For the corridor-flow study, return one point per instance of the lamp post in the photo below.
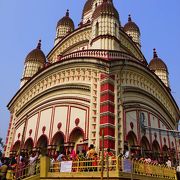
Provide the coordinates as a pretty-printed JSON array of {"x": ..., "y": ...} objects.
[
  {"x": 102, "y": 162},
  {"x": 107, "y": 165}
]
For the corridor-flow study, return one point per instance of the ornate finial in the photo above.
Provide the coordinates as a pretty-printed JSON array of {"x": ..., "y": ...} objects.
[
  {"x": 39, "y": 45},
  {"x": 155, "y": 53},
  {"x": 129, "y": 18},
  {"x": 67, "y": 12}
]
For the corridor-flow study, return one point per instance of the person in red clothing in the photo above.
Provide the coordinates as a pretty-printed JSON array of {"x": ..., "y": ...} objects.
[
  {"x": 21, "y": 169},
  {"x": 108, "y": 155},
  {"x": 95, "y": 162}
]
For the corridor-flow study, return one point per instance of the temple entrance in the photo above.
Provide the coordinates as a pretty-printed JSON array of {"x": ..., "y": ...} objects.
[
  {"x": 16, "y": 147},
  {"x": 145, "y": 143},
  {"x": 76, "y": 138},
  {"x": 29, "y": 144},
  {"x": 156, "y": 149},
  {"x": 131, "y": 139},
  {"x": 145, "y": 146},
  {"x": 165, "y": 153},
  {"x": 155, "y": 146},
  {"x": 42, "y": 142},
  {"x": 58, "y": 141}
]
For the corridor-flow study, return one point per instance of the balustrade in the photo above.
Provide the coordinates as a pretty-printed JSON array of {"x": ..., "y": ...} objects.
[
  {"x": 111, "y": 164},
  {"x": 103, "y": 54}
]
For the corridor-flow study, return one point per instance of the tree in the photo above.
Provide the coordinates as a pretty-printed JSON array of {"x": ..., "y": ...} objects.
[{"x": 1, "y": 146}]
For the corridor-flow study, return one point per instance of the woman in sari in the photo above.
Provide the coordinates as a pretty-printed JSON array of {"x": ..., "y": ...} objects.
[{"x": 32, "y": 164}]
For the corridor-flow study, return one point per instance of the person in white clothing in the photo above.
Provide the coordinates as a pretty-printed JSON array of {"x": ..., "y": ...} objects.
[
  {"x": 32, "y": 164},
  {"x": 168, "y": 163}
]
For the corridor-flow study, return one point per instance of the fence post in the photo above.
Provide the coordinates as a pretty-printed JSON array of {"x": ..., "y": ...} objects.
[
  {"x": 9, "y": 175},
  {"x": 44, "y": 166},
  {"x": 117, "y": 165}
]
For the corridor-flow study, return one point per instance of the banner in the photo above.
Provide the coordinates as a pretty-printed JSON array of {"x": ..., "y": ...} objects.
[
  {"x": 127, "y": 165},
  {"x": 66, "y": 166}
]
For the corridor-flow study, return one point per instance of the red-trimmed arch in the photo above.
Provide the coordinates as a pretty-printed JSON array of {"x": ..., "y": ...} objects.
[
  {"x": 78, "y": 131},
  {"x": 58, "y": 138},
  {"x": 131, "y": 138},
  {"x": 29, "y": 144},
  {"x": 155, "y": 146},
  {"x": 42, "y": 141},
  {"x": 145, "y": 143},
  {"x": 16, "y": 146},
  {"x": 165, "y": 150}
]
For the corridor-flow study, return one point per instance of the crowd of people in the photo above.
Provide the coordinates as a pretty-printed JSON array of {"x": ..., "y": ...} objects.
[
  {"x": 167, "y": 161},
  {"x": 21, "y": 165},
  {"x": 150, "y": 158},
  {"x": 89, "y": 159},
  {"x": 26, "y": 164}
]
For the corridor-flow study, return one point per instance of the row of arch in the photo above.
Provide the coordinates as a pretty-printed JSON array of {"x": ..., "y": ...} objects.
[
  {"x": 144, "y": 143},
  {"x": 43, "y": 142}
]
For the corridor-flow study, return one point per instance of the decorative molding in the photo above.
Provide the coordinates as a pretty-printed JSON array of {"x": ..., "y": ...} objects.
[{"x": 62, "y": 78}]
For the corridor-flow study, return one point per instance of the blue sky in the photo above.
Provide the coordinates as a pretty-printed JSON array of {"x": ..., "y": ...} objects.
[{"x": 24, "y": 22}]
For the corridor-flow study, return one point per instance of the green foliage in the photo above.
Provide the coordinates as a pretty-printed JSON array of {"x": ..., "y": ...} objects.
[
  {"x": 1, "y": 146},
  {"x": 1, "y": 143}
]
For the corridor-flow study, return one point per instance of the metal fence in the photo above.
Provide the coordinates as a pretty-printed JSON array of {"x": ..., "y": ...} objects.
[
  {"x": 116, "y": 164},
  {"x": 21, "y": 172},
  {"x": 154, "y": 170},
  {"x": 111, "y": 164},
  {"x": 88, "y": 165}
]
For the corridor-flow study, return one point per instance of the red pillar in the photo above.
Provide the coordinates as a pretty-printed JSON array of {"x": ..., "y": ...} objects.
[{"x": 107, "y": 117}]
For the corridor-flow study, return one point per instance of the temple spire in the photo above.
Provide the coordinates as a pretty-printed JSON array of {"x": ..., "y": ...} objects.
[
  {"x": 39, "y": 45},
  {"x": 67, "y": 13},
  {"x": 129, "y": 18},
  {"x": 155, "y": 53}
]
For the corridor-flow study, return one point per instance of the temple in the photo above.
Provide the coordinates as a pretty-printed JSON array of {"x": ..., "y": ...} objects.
[{"x": 94, "y": 79}]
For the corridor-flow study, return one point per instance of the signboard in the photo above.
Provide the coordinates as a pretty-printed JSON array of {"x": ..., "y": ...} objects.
[
  {"x": 66, "y": 166},
  {"x": 127, "y": 164}
]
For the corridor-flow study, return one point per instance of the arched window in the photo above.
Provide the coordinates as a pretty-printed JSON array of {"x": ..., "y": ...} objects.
[{"x": 97, "y": 29}]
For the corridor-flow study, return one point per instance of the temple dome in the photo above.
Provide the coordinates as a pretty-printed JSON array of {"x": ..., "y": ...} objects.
[
  {"x": 106, "y": 9},
  {"x": 131, "y": 26},
  {"x": 87, "y": 7},
  {"x": 157, "y": 64},
  {"x": 66, "y": 21},
  {"x": 36, "y": 54}
]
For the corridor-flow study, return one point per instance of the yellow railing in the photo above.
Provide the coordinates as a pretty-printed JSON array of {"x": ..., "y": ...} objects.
[
  {"x": 114, "y": 164},
  {"x": 24, "y": 172},
  {"x": 154, "y": 170},
  {"x": 86, "y": 165}
]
